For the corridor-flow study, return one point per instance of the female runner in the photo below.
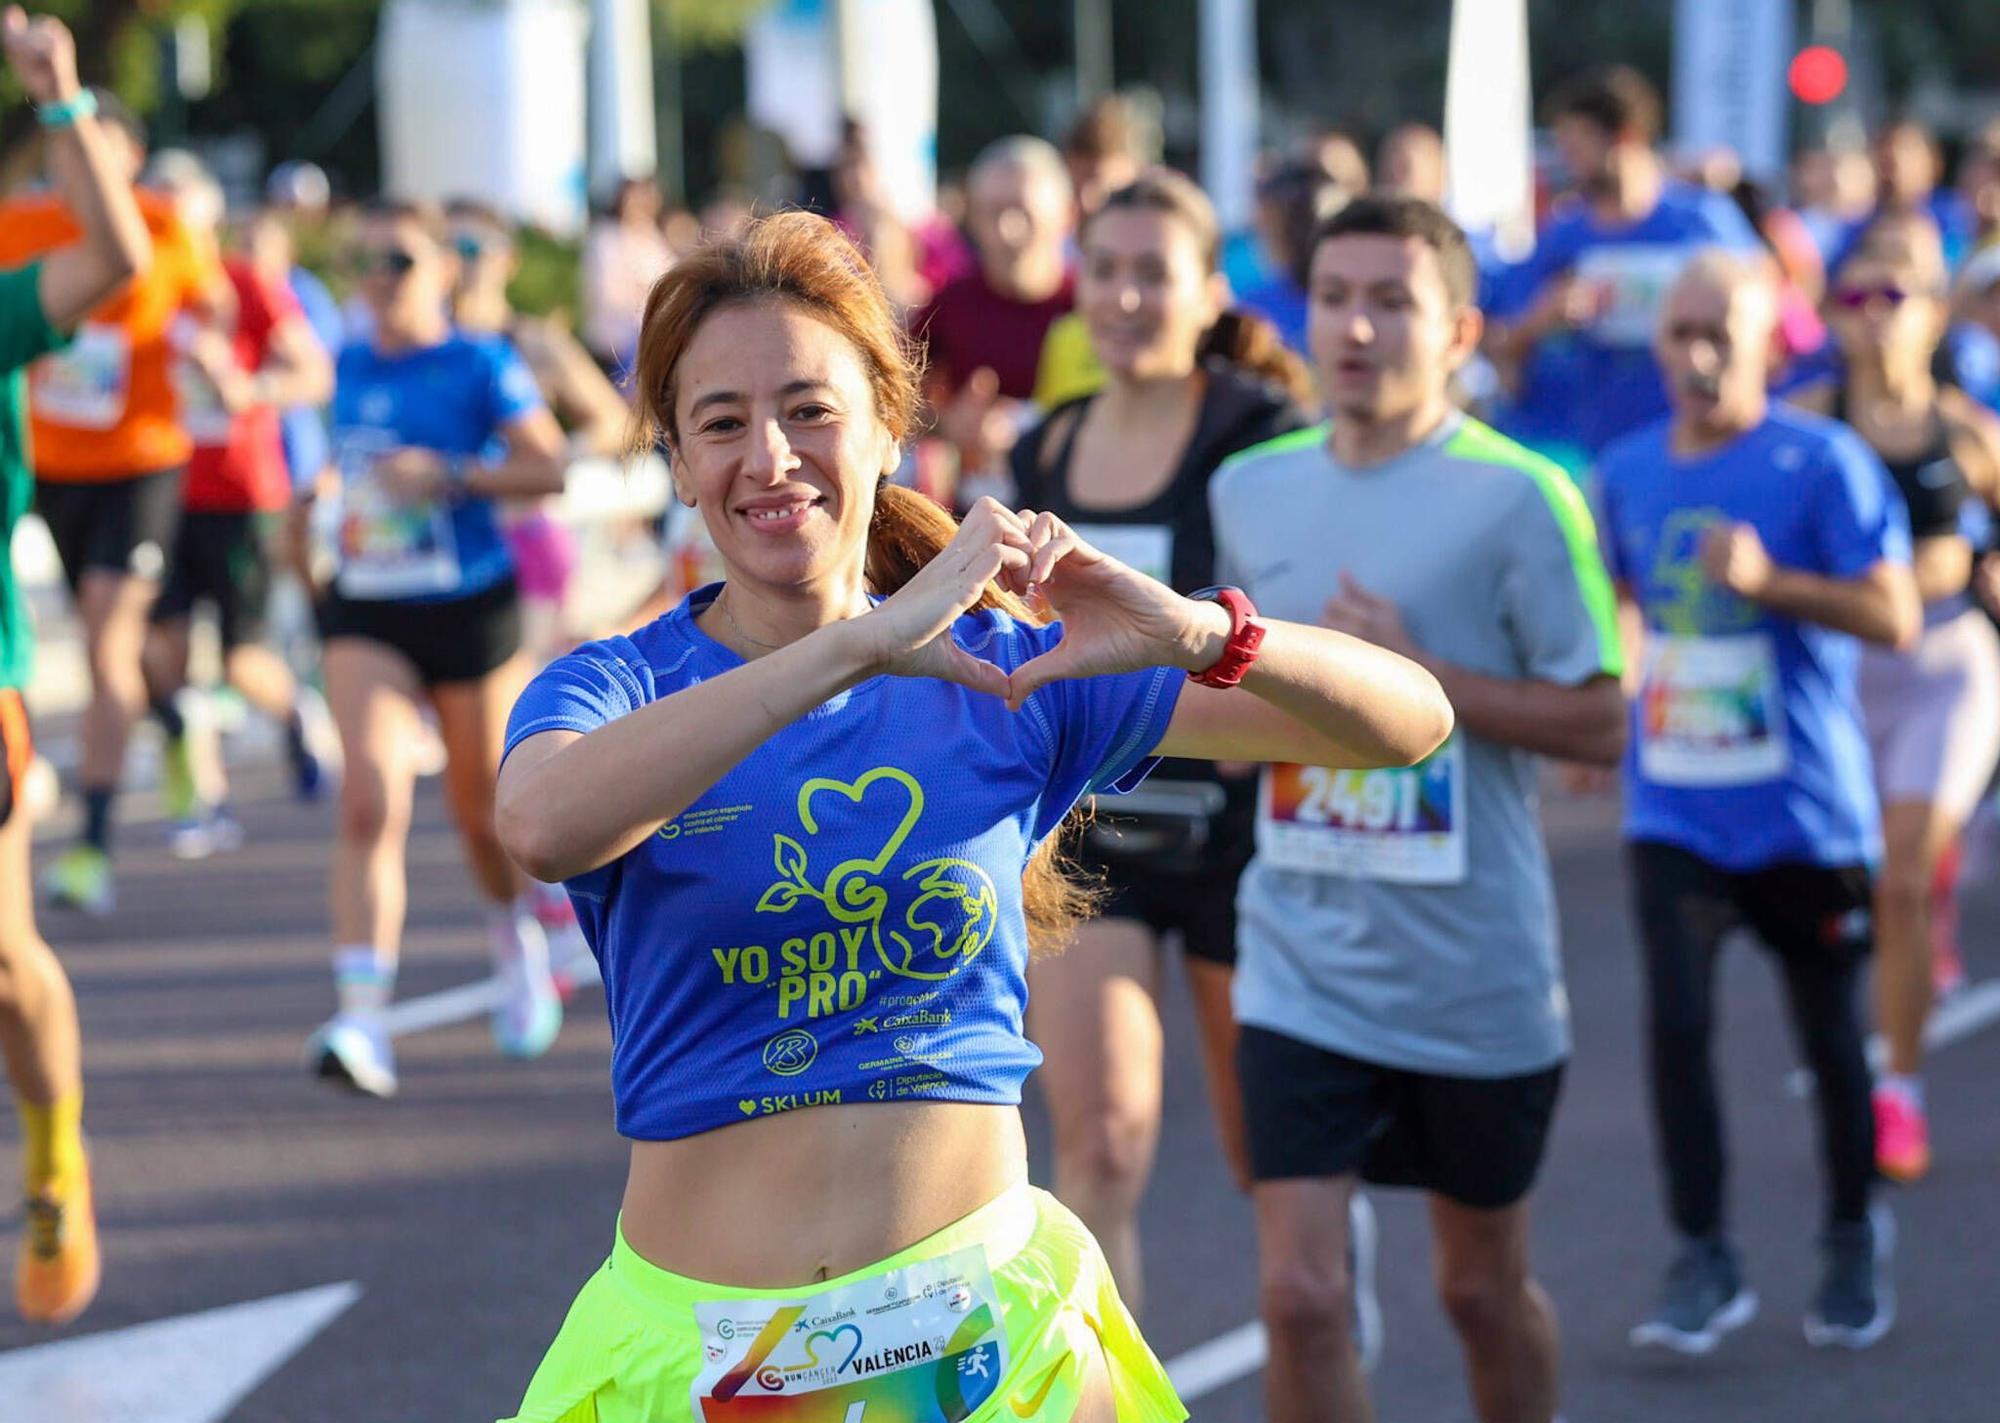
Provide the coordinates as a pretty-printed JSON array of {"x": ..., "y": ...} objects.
[
  {"x": 1187, "y": 384},
  {"x": 432, "y": 428},
  {"x": 1933, "y": 712},
  {"x": 807, "y": 820}
]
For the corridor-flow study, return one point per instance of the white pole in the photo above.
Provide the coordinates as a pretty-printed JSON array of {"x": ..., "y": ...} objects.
[
  {"x": 1229, "y": 108},
  {"x": 622, "y": 140},
  {"x": 1488, "y": 141}
]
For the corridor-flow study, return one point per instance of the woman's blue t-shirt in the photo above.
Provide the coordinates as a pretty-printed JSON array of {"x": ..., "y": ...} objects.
[
  {"x": 839, "y": 918},
  {"x": 454, "y": 398}
]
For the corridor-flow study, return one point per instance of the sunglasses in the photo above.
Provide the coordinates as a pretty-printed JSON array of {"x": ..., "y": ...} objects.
[
  {"x": 1860, "y": 298},
  {"x": 391, "y": 261}
]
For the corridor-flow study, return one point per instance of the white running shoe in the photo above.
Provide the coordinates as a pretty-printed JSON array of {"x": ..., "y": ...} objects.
[
  {"x": 354, "y": 1050},
  {"x": 530, "y": 1011},
  {"x": 1361, "y": 1251}
]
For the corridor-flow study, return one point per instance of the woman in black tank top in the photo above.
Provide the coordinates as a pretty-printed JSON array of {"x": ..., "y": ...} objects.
[
  {"x": 1932, "y": 712},
  {"x": 1187, "y": 385}
]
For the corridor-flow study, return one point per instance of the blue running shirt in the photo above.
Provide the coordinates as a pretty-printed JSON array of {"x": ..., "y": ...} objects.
[
  {"x": 1612, "y": 382},
  {"x": 454, "y": 398},
  {"x": 839, "y": 918},
  {"x": 1746, "y": 745}
]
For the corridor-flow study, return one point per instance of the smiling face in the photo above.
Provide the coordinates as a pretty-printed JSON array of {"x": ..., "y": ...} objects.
[
  {"x": 778, "y": 444},
  {"x": 1145, "y": 292}
]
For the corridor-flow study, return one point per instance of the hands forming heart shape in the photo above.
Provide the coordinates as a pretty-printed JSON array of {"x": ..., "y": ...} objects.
[{"x": 1114, "y": 618}]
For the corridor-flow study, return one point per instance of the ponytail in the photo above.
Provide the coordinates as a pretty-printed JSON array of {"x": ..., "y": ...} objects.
[
  {"x": 907, "y": 532},
  {"x": 1252, "y": 345}
]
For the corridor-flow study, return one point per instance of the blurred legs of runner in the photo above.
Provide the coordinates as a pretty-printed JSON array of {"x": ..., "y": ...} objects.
[
  {"x": 1505, "y": 1323},
  {"x": 56, "y": 1275},
  {"x": 1915, "y": 837},
  {"x": 1094, "y": 1012},
  {"x": 112, "y": 607},
  {"x": 376, "y": 699},
  {"x": 1306, "y": 1298}
]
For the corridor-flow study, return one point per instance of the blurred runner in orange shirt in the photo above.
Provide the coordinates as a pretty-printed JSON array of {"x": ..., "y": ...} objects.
[{"x": 109, "y": 456}]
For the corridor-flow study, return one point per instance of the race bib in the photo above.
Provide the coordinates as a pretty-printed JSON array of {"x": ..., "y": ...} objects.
[
  {"x": 1711, "y": 711},
  {"x": 388, "y": 550},
  {"x": 920, "y": 1344},
  {"x": 1400, "y": 825},
  {"x": 84, "y": 385},
  {"x": 1149, "y": 548},
  {"x": 1635, "y": 278}
]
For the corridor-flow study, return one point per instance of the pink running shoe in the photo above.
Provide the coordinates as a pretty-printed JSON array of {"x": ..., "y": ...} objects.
[{"x": 1902, "y": 1136}]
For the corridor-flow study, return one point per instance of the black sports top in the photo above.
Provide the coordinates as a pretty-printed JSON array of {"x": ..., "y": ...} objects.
[{"x": 1933, "y": 487}]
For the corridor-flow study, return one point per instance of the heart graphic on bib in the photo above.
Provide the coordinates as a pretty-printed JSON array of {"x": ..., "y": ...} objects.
[
  {"x": 849, "y": 1332},
  {"x": 748, "y": 1104}
]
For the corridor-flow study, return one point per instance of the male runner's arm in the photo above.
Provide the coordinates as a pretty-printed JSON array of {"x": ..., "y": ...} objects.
[
  {"x": 115, "y": 246},
  {"x": 1878, "y": 605},
  {"x": 1585, "y": 722}
]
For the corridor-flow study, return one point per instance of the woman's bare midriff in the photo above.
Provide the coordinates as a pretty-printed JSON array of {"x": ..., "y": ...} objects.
[{"x": 820, "y": 1192}]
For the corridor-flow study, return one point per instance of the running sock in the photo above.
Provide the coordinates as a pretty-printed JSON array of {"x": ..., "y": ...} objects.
[
  {"x": 364, "y": 978},
  {"x": 97, "y": 817},
  {"x": 169, "y": 717},
  {"x": 51, "y": 1142},
  {"x": 1910, "y": 1089}
]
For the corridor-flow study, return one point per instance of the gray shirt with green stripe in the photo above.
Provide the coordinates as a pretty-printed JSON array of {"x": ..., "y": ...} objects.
[{"x": 1407, "y": 917}]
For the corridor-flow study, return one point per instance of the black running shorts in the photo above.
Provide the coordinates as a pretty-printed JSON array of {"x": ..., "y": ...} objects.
[
  {"x": 222, "y": 559},
  {"x": 116, "y": 526},
  {"x": 1314, "y": 1113},
  {"x": 457, "y": 641}
]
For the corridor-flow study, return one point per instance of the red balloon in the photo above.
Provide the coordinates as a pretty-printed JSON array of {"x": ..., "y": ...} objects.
[{"x": 1818, "y": 74}]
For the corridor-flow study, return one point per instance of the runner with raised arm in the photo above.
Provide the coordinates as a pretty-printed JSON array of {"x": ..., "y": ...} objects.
[
  {"x": 807, "y": 818},
  {"x": 56, "y": 1274}
]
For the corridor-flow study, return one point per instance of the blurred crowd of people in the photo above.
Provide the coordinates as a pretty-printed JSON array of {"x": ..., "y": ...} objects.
[{"x": 392, "y": 433}]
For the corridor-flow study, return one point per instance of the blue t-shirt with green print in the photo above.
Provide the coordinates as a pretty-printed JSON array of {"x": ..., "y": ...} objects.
[{"x": 839, "y": 918}]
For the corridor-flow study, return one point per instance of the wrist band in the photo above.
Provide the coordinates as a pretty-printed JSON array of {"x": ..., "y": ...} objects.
[{"x": 80, "y": 105}]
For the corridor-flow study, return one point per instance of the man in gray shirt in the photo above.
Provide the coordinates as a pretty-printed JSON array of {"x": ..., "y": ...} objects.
[{"x": 1399, "y": 984}]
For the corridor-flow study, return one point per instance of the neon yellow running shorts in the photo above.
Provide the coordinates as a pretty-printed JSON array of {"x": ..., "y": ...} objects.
[{"x": 991, "y": 1320}]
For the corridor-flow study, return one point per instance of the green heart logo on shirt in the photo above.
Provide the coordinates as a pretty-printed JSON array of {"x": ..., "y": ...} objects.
[{"x": 748, "y": 1104}]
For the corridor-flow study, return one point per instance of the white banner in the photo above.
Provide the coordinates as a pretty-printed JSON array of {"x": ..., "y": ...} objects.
[
  {"x": 1488, "y": 119},
  {"x": 485, "y": 101},
  {"x": 622, "y": 140},
  {"x": 797, "y": 70},
  {"x": 1730, "y": 58}
]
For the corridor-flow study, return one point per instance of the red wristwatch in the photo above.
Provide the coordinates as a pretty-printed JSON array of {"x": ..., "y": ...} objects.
[{"x": 1246, "y": 635}]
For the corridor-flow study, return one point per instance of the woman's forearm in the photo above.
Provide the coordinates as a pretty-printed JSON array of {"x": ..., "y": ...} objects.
[
  {"x": 1316, "y": 697},
  {"x": 594, "y": 798},
  {"x": 1355, "y": 697}
]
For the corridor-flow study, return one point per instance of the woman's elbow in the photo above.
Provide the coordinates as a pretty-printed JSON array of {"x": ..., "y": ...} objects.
[
  {"x": 529, "y": 838},
  {"x": 1429, "y": 724}
]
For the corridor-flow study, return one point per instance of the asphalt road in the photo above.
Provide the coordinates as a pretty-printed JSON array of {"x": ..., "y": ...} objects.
[{"x": 469, "y": 1211}]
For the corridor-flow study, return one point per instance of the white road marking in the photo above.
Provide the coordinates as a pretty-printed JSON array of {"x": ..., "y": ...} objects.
[
  {"x": 1218, "y": 1363},
  {"x": 468, "y": 1001},
  {"x": 192, "y": 1369}
]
